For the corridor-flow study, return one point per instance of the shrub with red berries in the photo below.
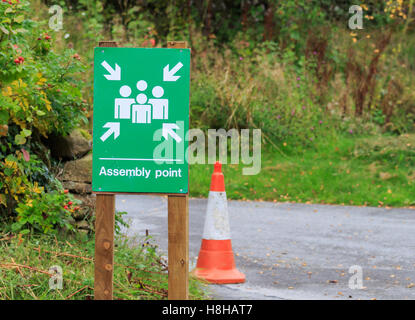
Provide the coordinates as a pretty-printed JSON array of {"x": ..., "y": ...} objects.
[
  {"x": 40, "y": 95},
  {"x": 19, "y": 60}
]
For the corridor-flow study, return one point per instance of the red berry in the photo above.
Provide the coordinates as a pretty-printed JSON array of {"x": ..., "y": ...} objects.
[
  {"x": 39, "y": 38},
  {"x": 76, "y": 208},
  {"x": 21, "y": 59},
  {"x": 16, "y": 61},
  {"x": 65, "y": 191},
  {"x": 69, "y": 203},
  {"x": 65, "y": 207}
]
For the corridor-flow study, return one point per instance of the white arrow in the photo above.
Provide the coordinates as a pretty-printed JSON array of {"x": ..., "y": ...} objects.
[
  {"x": 114, "y": 127},
  {"x": 168, "y": 130},
  {"x": 114, "y": 74},
  {"x": 169, "y": 75}
]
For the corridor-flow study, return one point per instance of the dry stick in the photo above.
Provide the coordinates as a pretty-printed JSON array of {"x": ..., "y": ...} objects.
[
  {"x": 16, "y": 265},
  {"x": 27, "y": 285},
  {"x": 146, "y": 288},
  {"x": 90, "y": 259},
  {"x": 64, "y": 254},
  {"x": 128, "y": 267},
  {"x": 141, "y": 279},
  {"x": 18, "y": 269},
  {"x": 71, "y": 295}
]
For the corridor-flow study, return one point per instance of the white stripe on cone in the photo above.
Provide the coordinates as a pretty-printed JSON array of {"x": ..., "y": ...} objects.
[{"x": 217, "y": 220}]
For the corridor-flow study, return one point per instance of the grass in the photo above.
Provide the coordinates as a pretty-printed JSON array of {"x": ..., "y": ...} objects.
[
  {"x": 347, "y": 170},
  {"x": 139, "y": 272}
]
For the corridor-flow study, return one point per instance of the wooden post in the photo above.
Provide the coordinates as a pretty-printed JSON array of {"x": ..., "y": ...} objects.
[
  {"x": 178, "y": 226},
  {"x": 104, "y": 237},
  {"x": 178, "y": 248}
]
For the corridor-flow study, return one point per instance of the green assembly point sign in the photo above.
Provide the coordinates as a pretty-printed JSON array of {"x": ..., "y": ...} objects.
[{"x": 141, "y": 115}]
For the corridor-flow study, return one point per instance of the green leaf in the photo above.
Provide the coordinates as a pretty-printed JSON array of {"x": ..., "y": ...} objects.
[
  {"x": 8, "y": 10},
  {"x": 4, "y": 116},
  {"x": 25, "y": 231},
  {"x": 26, "y": 133},
  {"x": 16, "y": 226},
  {"x": 8, "y": 172},
  {"x": 21, "y": 30},
  {"x": 40, "y": 113},
  {"x": 19, "y": 139},
  {"x": 4, "y": 30},
  {"x": 19, "y": 19}
]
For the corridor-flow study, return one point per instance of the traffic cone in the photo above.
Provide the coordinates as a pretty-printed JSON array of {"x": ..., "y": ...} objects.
[{"x": 216, "y": 263}]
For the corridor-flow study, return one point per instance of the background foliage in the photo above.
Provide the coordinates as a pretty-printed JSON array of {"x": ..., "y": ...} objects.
[
  {"x": 291, "y": 68},
  {"x": 40, "y": 95}
]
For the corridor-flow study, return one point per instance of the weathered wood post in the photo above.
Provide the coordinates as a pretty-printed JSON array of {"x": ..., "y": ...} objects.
[
  {"x": 104, "y": 237},
  {"x": 178, "y": 234}
]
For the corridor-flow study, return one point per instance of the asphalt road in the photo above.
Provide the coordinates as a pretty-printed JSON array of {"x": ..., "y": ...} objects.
[{"x": 298, "y": 251}]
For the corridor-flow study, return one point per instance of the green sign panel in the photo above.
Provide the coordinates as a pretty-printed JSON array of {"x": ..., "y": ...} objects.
[{"x": 141, "y": 115}]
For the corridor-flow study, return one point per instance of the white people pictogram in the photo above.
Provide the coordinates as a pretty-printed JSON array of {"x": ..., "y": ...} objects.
[
  {"x": 141, "y": 111},
  {"x": 123, "y": 105},
  {"x": 160, "y": 106}
]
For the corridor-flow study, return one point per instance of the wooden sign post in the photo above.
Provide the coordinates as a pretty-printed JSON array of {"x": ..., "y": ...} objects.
[
  {"x": 104, "y": 237},
  {"x": 178, "y": 226},
  {"x": 178, "y": 202}
]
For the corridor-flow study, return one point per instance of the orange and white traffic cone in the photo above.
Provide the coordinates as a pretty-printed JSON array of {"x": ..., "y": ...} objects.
[{"x": 216, "y": 263}]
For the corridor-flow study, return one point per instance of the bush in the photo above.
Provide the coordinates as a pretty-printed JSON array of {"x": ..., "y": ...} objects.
[{"x": 40, "y": 94}]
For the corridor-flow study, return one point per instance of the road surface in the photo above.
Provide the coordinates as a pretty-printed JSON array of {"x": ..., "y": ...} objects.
[{"x": 298, "y": 251}]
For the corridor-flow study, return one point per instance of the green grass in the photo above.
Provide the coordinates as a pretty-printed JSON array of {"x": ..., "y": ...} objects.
[
  {"x": 373, "y": 171},
  {"x": 139, "y": 272}
]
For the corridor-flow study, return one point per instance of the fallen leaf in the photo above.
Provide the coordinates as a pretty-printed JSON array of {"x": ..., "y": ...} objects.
[{"x": 385, "y": 175}]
